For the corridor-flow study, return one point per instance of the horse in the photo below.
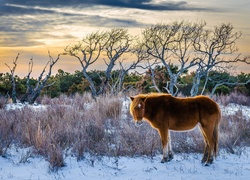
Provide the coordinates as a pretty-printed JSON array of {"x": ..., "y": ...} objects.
[{"x": 167, "y": 113}]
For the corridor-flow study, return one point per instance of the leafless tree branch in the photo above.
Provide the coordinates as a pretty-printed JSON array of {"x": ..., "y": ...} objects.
[{"x": 13, "y": 81}]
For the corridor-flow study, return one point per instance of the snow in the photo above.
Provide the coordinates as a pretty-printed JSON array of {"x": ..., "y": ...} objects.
[
  {"x": 12, "y": 106},
  {"x": 183, "y": 166},
  {"x": 20, "y": 164},
  {"x": 232, "y": 109}
]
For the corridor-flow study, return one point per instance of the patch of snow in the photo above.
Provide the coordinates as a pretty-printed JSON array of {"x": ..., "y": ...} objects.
[
  {"x": 125, "y": 108},
  {"x": 12, "y": 106},
  {"x": 183, "y": 166},
  {"x": 232, "y": 109}
]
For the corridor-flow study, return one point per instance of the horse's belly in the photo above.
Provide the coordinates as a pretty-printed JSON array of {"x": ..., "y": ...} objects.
[
  {"x": 182, "y": 128},
  {"x": 182, "y": 125}
]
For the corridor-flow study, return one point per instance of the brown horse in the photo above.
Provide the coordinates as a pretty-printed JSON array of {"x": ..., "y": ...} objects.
[{"x": 165, "y": 112}]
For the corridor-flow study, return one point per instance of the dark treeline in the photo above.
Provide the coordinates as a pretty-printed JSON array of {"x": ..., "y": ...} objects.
[{"x": 71, "y": 83}]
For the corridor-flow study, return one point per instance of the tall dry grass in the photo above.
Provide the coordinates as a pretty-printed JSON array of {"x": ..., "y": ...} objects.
[
  {"x": 235, "y": 132},
  {"x": 234, "y": 97},
  {"x": 101, "y": 127},
  {"x": 3, "y": 101},
  {"x": 78, "y": 123}
]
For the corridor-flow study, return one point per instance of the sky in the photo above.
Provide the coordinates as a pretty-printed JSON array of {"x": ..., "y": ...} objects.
[{"x": 34, "y": 27}]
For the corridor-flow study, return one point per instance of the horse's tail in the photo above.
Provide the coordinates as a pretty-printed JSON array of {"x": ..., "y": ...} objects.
[{"x": 216, "y": 133}]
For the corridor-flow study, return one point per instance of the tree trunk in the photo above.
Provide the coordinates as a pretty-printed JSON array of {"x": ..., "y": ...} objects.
[
  {"x": 196, "y": 83},
  {"x": 13, "y": 93}
]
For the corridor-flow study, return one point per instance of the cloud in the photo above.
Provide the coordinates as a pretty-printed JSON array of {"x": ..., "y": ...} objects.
[
  {"x": 12, "y": 9},
  {"x": 36, "y": 29},
  {"x": 28, "y": 22},
  {"x": 18, "y": 39},
  {"x": 74, "y": 11},
  {"x": 141, "y": 4},
  {"x": 138, "y": 4}
]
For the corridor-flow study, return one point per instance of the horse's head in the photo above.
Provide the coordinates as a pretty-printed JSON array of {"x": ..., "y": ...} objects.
[{"x": 137, "y": 109}]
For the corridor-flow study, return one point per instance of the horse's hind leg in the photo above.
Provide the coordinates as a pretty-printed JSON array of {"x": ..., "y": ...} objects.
[
  {"x": 207, "y": 132},
  {"x": 205, "y": 153}
]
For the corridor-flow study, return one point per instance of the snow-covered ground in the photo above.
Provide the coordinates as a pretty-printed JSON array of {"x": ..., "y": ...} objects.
[
  {"x": 184, "y": 166},
  {"x": 19, "y": 164},
  {"x": 232, "y": 109}
]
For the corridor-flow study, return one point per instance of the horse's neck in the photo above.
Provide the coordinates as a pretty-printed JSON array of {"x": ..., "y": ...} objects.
[
  {"x": 151, "y": 106},
  {"x": 154, "y": 104}
]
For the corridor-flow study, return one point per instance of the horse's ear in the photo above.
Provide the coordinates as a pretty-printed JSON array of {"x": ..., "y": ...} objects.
[{"x": 132, "y": 98}]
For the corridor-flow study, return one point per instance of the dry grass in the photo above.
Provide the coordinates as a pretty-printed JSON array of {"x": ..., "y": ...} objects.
[
  {"x": 234, "y": 97},
  {"x": 99, "y": 128},
  {"x": 3, "y": 101},
  {"x": 235, "y": 132}
]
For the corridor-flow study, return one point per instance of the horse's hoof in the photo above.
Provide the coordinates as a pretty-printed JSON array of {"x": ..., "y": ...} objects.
[
  {"x": 167, "y": 159},
  {"x": 163, "y": 160},
  {"x": 204, "y": 159},
  {"x": 207, "y": 163},
  {"x": 170, "y": 157}
]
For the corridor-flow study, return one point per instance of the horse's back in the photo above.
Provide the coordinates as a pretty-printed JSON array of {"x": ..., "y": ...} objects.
[
  {"x": 181, "y": 113},
  {"x": 209, "y": 111},
  {"x": 207, "y": 105}
]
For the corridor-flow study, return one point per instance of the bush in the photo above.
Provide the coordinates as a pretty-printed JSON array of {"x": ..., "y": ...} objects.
[
  {"x": 222, "y": 90},
  {"x": 233, "y": 97},
  {"x": 234, "y": 132}
]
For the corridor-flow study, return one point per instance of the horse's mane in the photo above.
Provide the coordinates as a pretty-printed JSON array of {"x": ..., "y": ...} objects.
[
  {"x": 142, "y": 97},
  {"x": 153, "y": 95}
]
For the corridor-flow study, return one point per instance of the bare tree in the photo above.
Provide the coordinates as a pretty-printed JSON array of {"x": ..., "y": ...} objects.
[
  {"x": 152, "y": 76},
  {"x": 32, "y": 93},
  {"x": 139, "y": 56},
  {"x": 90, "y": 47},
  {"x": 118, "y": 43},
  {"x": 172, "y": 43},
  {"x": 118, "y": 76},
  {"x": 29, "y": 89},
  {"x": 111, "y": 45},
  {"x": 217, "y": 49},
  {"x": 13, "y": 81},
  {"x": 144, "y": 62}
]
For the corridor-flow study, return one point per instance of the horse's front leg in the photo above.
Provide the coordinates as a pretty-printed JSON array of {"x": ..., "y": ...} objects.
[{"x": 166, "y": 145}]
